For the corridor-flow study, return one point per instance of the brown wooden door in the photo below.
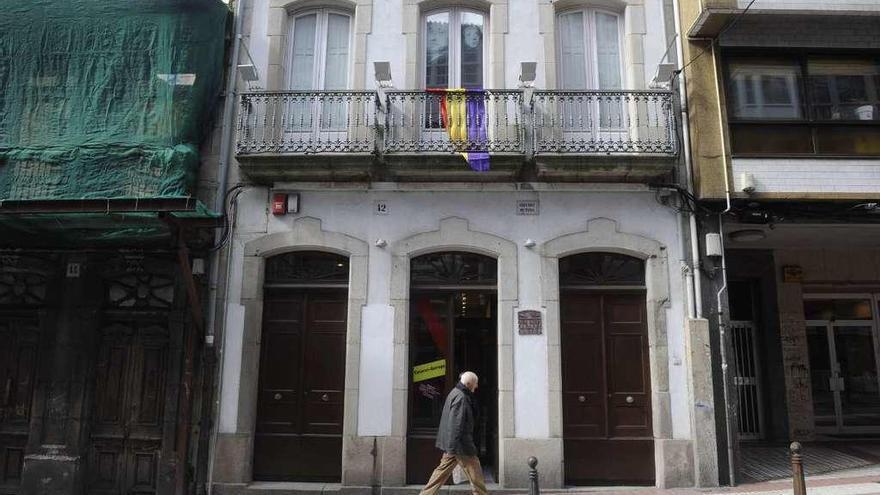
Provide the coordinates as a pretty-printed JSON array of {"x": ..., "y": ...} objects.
[
  {"x": 18, "y": 359},
  {"x": 302, "y": 382},
  {"x": 606, "y": 389},
  {"x": 134, "y": 362}
]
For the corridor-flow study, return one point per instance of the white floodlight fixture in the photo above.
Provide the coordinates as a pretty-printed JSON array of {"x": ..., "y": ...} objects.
[
  {"x": 248, "y": 72},
  {"x": 527, "y": 73},
  {"x": 383, "y": 74}
]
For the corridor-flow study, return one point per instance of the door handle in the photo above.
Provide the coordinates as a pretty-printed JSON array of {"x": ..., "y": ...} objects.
[
  {"x": 581, "y": 398},
  {"x": 325, "y": 397},
  {"x": 629, "y": 399},
  {"x": 7, "y": 392},
  {"x": 277, "y": 396}
]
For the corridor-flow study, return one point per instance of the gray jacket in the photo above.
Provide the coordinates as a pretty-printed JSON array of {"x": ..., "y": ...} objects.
[{"x": 456, "y": 432}]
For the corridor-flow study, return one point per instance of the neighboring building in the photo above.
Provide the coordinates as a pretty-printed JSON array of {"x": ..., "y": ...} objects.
[
  {"x": 103, "y": 106},
  {"x": 784, "y": 106},
  {"x": 369, "y": 265}
]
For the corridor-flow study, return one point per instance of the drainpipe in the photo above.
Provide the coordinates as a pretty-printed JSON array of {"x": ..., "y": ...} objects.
[
  {"x": 227, "y": 130},
  {"x": 693, "y": 272},
  {"x": 722, "y": 326},
  {"x": 695, "y": 250}
]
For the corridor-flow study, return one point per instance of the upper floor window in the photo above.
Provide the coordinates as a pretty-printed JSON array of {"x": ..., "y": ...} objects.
[
  {"x": 804, "y": 104},
  {"x": 319, "y": 53},
  {"x": 589, "y": 42},
  {"x": 455, "y": 48}
]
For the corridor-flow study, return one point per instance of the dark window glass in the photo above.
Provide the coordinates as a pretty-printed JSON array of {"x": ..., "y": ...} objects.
[
  {"x": 844, "y": 88},
  {"x": 848, "y": 140},
  {"x": 771, "y": 139},
  {"x": 307, "y": 267},
  {"x": 601, "y": 269},
  {"x": 453, "y": 269},
  {"x": 765, "y": 89},
  {"x": 837, "y": 309},
  {"x": 742, "y": 304}
]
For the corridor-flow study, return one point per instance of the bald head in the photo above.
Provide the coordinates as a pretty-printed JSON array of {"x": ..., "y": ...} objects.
[{"x": 469, "y": 379}]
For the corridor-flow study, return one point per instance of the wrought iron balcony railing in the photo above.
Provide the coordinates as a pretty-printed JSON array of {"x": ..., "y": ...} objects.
[
  {"x": 448, "y": 122},
  {"x": 604, "y": 122},
  {"x": 434, "y": 122},
  {"x": 307, "y": 122}
]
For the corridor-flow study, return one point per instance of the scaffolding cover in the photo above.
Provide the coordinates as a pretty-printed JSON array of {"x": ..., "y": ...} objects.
[{"x": 102, "y": 100}]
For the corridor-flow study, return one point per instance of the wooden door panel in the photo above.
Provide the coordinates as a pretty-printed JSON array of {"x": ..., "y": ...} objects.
[
  {"x": 18, "y": 361},
  {"x": 606, "y": 389},
  {"x": 302, "y": 385},
  {"x": 129, "y": 405}
]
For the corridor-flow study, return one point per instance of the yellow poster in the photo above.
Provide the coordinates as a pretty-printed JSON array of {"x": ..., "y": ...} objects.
[{"x": 430, "y": 370}]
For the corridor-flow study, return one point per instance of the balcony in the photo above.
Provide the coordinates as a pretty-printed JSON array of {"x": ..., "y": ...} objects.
[{"x": 423, "y": 135}]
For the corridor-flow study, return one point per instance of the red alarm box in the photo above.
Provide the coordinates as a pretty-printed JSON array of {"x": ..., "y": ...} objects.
[{"x": 279, "y": 204}]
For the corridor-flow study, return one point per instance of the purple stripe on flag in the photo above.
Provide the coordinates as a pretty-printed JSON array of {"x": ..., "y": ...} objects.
[{"x": 478, "y": 155}]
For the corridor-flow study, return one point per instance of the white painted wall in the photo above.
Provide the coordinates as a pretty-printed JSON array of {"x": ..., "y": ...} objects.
[
  {"x": 808, "y": 175},
  {"x": 561, "y": 212},
  {"x": 523, "y": 42}
]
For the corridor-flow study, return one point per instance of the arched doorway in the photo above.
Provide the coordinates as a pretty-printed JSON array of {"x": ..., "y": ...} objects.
[
  {"x": 302, "y": 368},
  {"x": 453, "y": 328},
  {"x": 606, "y": 384}
]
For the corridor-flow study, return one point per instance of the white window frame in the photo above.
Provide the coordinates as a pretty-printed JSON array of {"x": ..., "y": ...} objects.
[
  {"x": 590, "y": 46},
  {"x": 454, "y": 76},
  {"x": 318, "y": 75}
]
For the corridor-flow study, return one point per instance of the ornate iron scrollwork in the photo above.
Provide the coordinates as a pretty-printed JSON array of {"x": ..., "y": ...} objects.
[
  {"x": 307, "y": 267},
  {"x": 454, "y": 269},
  {"x": 601, "y": 269}
]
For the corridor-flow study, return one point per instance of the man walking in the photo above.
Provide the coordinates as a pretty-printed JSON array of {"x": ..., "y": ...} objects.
[{"x": 456, "y": 438}]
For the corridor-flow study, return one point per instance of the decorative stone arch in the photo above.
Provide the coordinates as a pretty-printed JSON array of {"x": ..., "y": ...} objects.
[
  {"x": 306, "y": 235},
  {"x": 634, "y": 31},
  {"x": 602, "y": 235},
  {"x": 498, "y": 25},
  {"x": 454, "y": 234},
  {"x": 277, "y": 29}
]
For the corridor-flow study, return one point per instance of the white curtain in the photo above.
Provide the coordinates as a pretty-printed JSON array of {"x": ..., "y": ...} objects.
[
  {"x": 572, "y": 48},
  {"x": 608, "y": 51},
  {"x": 336, "y": 64},
  {"x": 302, "y": 71}
]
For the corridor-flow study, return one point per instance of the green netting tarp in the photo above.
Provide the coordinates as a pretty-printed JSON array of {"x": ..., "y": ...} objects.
[{"x": 106, "y": 99}]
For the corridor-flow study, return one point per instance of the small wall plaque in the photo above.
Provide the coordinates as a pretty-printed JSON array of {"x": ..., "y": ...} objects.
[
  {"x": 381, "y": 208},
  {"x": 529, "y": 322},
  {"x": 527, "y": 207},
  {"x": 792, "y": 274}
]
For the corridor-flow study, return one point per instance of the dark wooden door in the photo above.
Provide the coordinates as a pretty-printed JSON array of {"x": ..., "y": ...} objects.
[
  {"x": 18, "y": 360},
  {"x": 134, "y": 363},
  {"x": 302, "y": 384},
  {"x": 606, "y": 389}
]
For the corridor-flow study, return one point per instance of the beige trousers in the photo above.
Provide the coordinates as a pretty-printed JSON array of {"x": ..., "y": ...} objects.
[{"x": 469, "y": 464}]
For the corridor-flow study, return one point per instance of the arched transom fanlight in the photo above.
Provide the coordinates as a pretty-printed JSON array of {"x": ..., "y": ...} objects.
[
  {"x": 607, "y": 269},
  {"x": 307, "y": 267},
  {"x": 453, "y": 268}
]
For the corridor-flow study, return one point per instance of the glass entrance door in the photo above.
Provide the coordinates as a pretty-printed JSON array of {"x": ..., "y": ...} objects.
[{"x": 843, "y": 364}]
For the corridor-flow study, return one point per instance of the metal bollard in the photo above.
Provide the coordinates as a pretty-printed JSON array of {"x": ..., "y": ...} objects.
[
  {"x": 533, "y": 476},
  {"x": 797, "y": 470}
]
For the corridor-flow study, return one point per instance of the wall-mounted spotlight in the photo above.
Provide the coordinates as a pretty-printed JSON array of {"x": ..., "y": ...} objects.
[
  {"x": 527, "y": 74},
  {"x": 382, "y": 71}
]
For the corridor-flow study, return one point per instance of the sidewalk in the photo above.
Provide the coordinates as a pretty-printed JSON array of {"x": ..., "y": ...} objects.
[{"x": 861, "y": 481}]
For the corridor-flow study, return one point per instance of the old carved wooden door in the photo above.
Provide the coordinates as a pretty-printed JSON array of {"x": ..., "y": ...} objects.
[
  {"x": 18, "y": 359},
  {"x": 133, "y": 363},
  {"x": 302, "y": 381},
  {"x": 136, "y": 379},
  {"x": 606, "y": 389}
]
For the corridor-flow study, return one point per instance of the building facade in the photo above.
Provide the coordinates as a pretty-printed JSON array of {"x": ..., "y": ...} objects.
[
  {"x": 104, "y": 383},
  {"x": 783, "y": 109},
  {"x": 422, "y": 188}
]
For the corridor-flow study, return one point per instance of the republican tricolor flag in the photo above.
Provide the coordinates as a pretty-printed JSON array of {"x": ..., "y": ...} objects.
[{"x": 464, "y": 119}]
